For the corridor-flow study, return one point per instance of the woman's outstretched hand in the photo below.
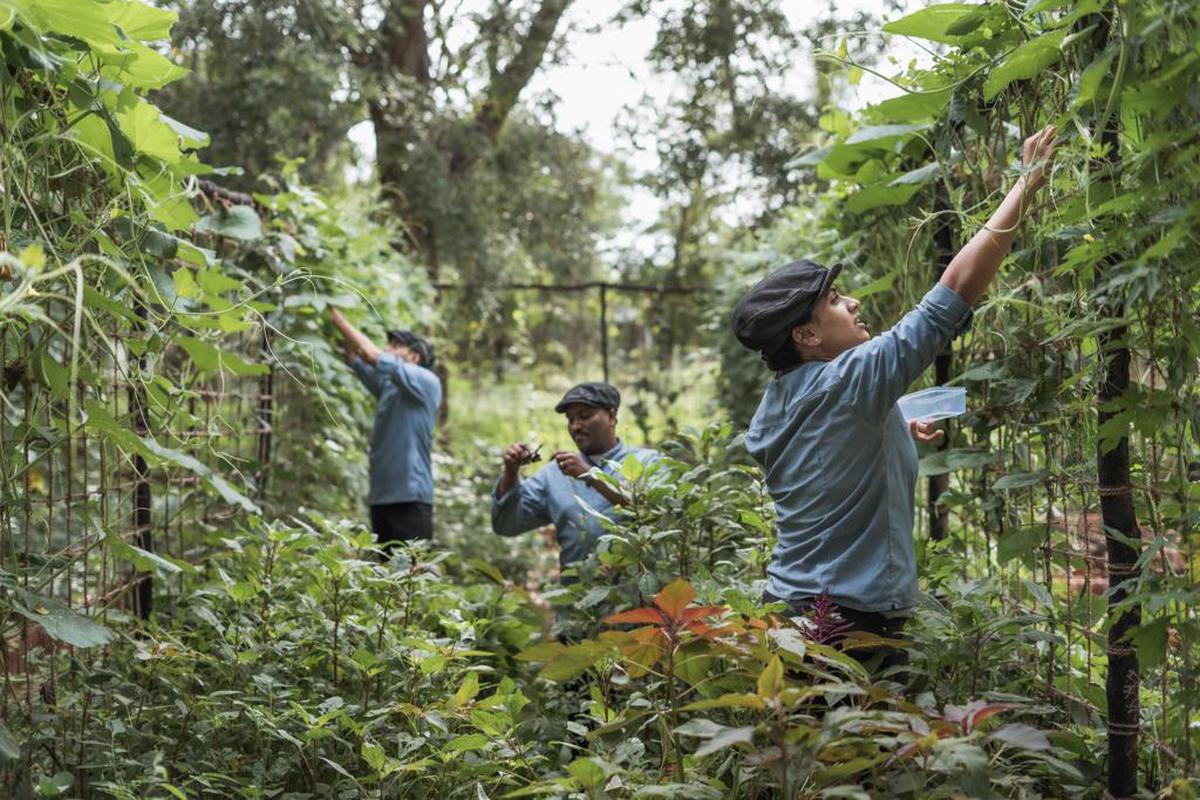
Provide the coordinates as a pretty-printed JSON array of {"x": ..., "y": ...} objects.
[{"x": 1037, "y": 155}]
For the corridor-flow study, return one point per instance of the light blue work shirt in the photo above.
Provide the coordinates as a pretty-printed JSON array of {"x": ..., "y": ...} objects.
[
  {"x": 552, "y": 497},
  {"x": 841, "y": 465},
  {"x": 402, "y": 436}
]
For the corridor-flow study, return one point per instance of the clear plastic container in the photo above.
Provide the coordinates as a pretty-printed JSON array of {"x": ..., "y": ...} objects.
[{"x": 928, "y": 405}]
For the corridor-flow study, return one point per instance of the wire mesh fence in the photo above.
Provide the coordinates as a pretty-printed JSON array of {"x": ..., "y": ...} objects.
[{"x": 112, "y": 482}]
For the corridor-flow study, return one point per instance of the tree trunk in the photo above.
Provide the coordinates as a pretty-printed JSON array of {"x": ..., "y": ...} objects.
[{"x": 401, "y": 58}]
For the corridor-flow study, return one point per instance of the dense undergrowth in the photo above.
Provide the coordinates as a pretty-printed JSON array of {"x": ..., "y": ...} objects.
[{"x": 295, "y": 663}]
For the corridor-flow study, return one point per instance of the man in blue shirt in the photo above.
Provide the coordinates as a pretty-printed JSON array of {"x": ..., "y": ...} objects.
[
  {"x": 559, "y": 493},
  {"x": 836, "y": 453},
  {"x": 401, "y": 376}
]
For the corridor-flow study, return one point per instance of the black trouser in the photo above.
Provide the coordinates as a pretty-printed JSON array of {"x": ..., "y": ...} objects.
[
  {"x": 402, "y": 522},
  {"x": 865, "y": 621}
]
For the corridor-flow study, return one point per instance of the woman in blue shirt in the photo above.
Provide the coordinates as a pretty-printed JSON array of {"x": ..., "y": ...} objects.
[{"x": 837, "y": 455}]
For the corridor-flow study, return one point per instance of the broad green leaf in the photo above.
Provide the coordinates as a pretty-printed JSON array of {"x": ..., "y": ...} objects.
[
  {"x": 144, "y": 560},
  {"x": 1150, "y": 639},
  {"x": 726, "y": 738},
  {"x": 546, "y": 651},
  {"x": 1020, "y": 480},
  {"x": 1020, "y": 542},
  {"x": 944, "y": 461},
  {"x": 573, "y": 661},
  {"x": 588, "y": 772},
  {"x": 466, "y": 743},
  {"x": 881, "y": 194},
  {"x": 883, "y": 135},
  {"x": 209, "y": 359},
  {"x": 1023, "y": 736},
  {"x": 1090, "y": 79},
  {"x": 10, "y": 748},
  {"x": 935, "y": 22},
  {"x": 1026, "y": 61},
  {"x": 912, "y": 106},
  {"x": 59, "y": 620},
  {"x": 920, "y": 175},
  {"x": 239, "y": 222}
]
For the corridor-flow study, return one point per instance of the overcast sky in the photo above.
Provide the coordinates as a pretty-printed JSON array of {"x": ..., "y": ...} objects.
[{"x": 604, "y": 70}]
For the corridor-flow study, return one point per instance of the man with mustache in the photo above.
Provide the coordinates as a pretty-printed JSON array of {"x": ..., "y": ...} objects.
[{"x": 559, "y": 493}]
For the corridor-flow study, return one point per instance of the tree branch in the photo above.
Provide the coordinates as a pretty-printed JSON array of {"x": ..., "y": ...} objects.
[{"x": 507, "y": 85}]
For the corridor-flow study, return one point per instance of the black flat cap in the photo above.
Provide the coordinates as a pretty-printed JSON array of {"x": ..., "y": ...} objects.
[
  {"x": 600, "y": 395},
  {"x": 779, "y": 302}
]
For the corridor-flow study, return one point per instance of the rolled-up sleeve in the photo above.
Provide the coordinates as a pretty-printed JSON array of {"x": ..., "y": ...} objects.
[
  {"x": 415, "y": 381},
  {"x": 522, "y": 508},
  {"x": 878, "y": 372},
  {"x": 367, "y": 374}
]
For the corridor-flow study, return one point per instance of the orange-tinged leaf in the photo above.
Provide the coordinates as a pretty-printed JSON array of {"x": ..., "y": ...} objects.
[
  {"x": 636, "y": 615},
  {"x": 698, "y": 612},
  {"x": 674, "y": 598}
]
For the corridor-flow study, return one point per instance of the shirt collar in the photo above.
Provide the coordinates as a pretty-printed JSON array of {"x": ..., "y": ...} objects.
[{"x": 613, "y": 454}]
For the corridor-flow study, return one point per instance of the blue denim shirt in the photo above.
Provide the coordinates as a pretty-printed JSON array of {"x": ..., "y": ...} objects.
[
  {"x": 552, "y": 497},
  {"x": 841, "y": 465},
  {"x": 402, "y": 436}
]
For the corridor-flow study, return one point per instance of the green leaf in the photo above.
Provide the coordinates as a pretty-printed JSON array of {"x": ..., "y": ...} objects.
[
  {"x": 463, "y": 744},
  {"x": 881, "y": 194},
  {"x": 209, "y": 359},
  {"x": 1150, "y": 639},
  {"x": 588, "y": 772},
  {"x": 919, "y": 176},
  {"x": 1020, "y": 542},
  {"x": 573, "y": 661},
  {"x": 912, "y": 106},
  {"x": 1023, "y": 736},
  {"x": 10, "y": 748},
  {"x": 1026, "y": 61},
  {"x": 943, "y": 461},
  {"x": 1091, "y": 78},
  {"x": 59, "y": 620},
  {"x": 1020, "y": 480},
  {"x": 883, "y": 135},
  {"x": 936, "y": 22},
  {"x": 239, "y": 222},
  {"x": 144, "y": 560}
]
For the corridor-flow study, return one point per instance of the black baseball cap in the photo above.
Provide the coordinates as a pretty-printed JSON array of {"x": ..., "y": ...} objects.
[
  {"x": 779, "y": 302},
  {"x": 600, "y": 395},
  {"x": 415, "y": 343}
]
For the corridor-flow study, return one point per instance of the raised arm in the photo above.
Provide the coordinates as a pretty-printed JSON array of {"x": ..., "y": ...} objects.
[
  {"x": 972, "y": 270},
  {"x": 355, "y": 338}
]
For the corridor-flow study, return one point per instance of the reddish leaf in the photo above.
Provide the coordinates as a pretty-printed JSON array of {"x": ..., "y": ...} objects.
[
  {"x": 697, "y": 612},
  {"x": 636, "y": 615},
  {"x": 674, "y": 598}
]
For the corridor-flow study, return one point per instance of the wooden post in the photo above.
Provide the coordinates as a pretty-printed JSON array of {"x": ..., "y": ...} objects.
[
  {"x": 604, "y": 328},
  {"x": 943, "y": 243},
  {"x": 142, "y": 500},
  {"x": 266, "y": 416},
  {"x": 1116, "y": 504}
]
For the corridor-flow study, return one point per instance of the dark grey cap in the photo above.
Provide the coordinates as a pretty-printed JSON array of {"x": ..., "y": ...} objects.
[
  {"x": 600, "y": 395},
  {"x": 779, "y": 302}
]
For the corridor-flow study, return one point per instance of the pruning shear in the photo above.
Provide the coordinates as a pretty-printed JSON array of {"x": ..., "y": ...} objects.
[{"x": 536, "y": 455}]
